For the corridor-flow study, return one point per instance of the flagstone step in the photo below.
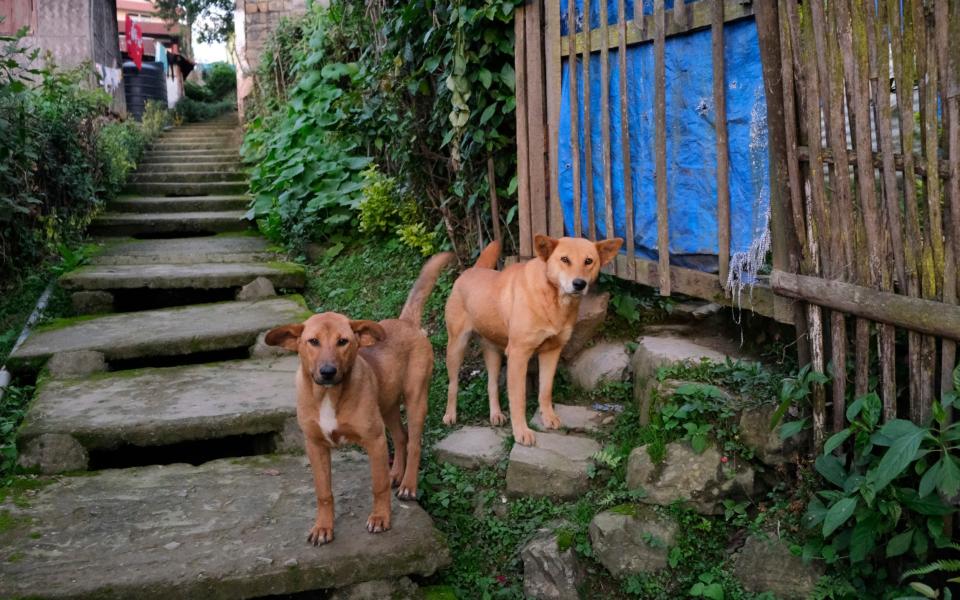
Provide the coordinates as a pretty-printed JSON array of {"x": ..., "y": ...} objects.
[
  {"x": 127, "y": 224},
  {"x": 199, "y": 276},
  {"x": 197, "y": 164},
  {"x": 162, "y": 204},
  {"x": 188, "y": 145},
  {"x": 195, "y": 176},
  {"x": 186, "y": 188},
  {"x": 164, "y": 406},
  {"x": 186, "y": 155},
  {"x": 222, "y": 248},
  {"x": 232, "y": 528},
  {"x": 178, "y": 331}
]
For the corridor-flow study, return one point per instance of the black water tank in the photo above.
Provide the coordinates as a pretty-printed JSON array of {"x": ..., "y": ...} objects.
[{"x": 149, "y": 83}]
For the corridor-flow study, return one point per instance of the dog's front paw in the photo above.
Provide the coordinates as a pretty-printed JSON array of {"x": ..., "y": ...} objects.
[
  {"x": 406, "y": 493},
  {"x": 524, "y": 436},
  {"x": 550, "y": 420},
  {"x": 321, "y": 533},
  {"x": 377, "y": 523},
  {"x": 498, "y": 419},
  {"x": 450, "y": 418}
]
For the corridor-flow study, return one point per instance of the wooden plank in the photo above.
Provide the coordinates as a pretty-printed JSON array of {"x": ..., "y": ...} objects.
[
  {"x": 605, "y": 126},
  {"x": 929, "y": 85},
  {"x": 494, "y": 200},
  {"x": 928, "y": 317},
  {"x": 660, "y": 146},
  {"x": 574, "y": 123},
  {"x": 723, "y": 152},
  {"x": 551, "y": 44},
  {"x": 631, "y": 271},
  {"x": 536, "y": 118},
  {"x": 588, "y": 129},
  {"x": 640, "y": 29},
  {"x": 523, "y": 158},
  {"x": 826, "y": 155},
  {"x": 948, "y": 28}
]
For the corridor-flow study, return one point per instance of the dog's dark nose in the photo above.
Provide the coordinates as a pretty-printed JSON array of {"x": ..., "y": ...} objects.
[
  {"x": 579, "y": 284},
  {"x": 328, "y": 372}
]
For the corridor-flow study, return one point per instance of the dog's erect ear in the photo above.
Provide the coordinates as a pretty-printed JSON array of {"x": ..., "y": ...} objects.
[
  {"x": 368, "y": 332},
  {"x": 607, "y": 249},
  {"x": 285, "y": 336},
  {"x": 544, "y": 246}
]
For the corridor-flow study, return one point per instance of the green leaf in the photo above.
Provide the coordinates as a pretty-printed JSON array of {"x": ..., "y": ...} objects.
[
  {"x": 838, "y": 514},
  {"x": 792, "y": 428},
  {"x": 863, "y": 539},
  {"x": 901, "y": 453},
  {"x": 836, "y": 440},
  {"x": 924, "y": 589},
  {"x": 698, "y": 443},
  {"x": 485, "y": 77},
  {"x": 949, "y": 481},
  {"x": 930, "y": 479},
  {"x": 831, "y": 469},
  {"x": 714, "y": 591},
  {"x": 899, "y": 543},
  {"x": 487, "y": 113}
]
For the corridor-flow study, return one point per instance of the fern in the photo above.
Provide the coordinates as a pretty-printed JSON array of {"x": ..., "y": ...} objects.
[{"x": 940, "y": 565}]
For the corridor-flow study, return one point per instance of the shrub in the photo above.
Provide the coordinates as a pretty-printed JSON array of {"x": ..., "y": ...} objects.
[
  {"x": 385, "y": 209},
  {"x": 220, "y": 81},
  {"x": 192, "y": 111},
  {"x": 197, "y": 92}
]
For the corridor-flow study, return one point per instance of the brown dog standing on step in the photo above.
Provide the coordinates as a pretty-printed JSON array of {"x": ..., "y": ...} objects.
[
  {"x": 351, "y": 378},
  {"x": 526, "y": 309}
]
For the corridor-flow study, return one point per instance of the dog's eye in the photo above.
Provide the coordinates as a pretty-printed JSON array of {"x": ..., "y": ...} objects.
[
  {"x": 343, "y": 342},
  {"x": 313, "y": 342},
  {"x": 588, "y": 262},
  {"x": 565, "y": 260}
]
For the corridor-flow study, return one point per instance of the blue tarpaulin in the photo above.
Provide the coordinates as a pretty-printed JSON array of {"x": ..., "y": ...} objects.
[{"x": 691, "y": 143}]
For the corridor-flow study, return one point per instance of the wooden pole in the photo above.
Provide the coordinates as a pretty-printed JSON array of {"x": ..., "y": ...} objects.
[{"x": 660, "y": 146}]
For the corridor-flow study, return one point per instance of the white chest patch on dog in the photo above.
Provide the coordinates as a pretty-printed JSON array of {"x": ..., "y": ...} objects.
[{"x": 327, "y": 419}]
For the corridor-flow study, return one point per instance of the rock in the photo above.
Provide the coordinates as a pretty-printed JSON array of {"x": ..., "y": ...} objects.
[
  {"x": 260, "y": 349},
  {"x": 162, "y": 406},
  {"x": 697, "y": 309},
  {"x": 632, "y": 539},
  {"x": 556, "y": 467},
  {"x": 577, "y": 418},
  {"x": 607, "y": 361},
  {"x": 92, "y": 302},
  {"x": 381, "y": 589},
  {"x": 175, "y": 331},
  {"x": 53, "y": 453},
  {"x": 549, "y": 572},
  {"x": 591, "y": 315},
  {"x": 702, "y": 481},
  {"x": 472, "y": 447},
  {"x": 261, "y": 287},
  {"x": 76, "y": 363},
  {"x": 755, "y": 433},
  {"x": 239, "y": 523},
  {"x": 767, "y": 565},
  {"x": 290, "y": 439},
  {"x": 663, "y": 350}
]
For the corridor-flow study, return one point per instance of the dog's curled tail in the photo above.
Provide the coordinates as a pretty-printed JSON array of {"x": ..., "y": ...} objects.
[
  {"x": 413, "y": 307},
  {"x": 488, "y": 258}
]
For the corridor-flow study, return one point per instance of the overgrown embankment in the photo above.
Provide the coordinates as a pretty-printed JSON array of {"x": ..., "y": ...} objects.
[{"x": 406, "y": 104}]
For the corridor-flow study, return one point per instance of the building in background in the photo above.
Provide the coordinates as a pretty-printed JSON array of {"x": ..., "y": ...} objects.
[
  {"x": 254, "y": 20},
  {"x": 72, "y": 32},
  {"x": 165, "y": 43}
]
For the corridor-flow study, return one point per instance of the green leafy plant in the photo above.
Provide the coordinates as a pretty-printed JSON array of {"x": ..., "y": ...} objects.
[
  {"x": 384, "y": 208},
  {"x": 707, "y": 587},
  {"x": 793, "y": 391},
  {"x": 875, "y": 499}
]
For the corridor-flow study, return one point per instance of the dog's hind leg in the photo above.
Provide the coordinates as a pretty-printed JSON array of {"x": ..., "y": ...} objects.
[
  {"x": 548, "y": 367},
  {"x": 458, "y": 335},
  {"x": 493, "y": 358},
  {"x": 416, "y": 402},
  {"x": 399, "y": 436}
]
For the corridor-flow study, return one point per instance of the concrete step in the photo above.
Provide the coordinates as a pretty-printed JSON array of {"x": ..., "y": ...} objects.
[
  {"x": 196, "y": 175},
  {"x": 184, "y": 155},
  {"x": 132, "y": 224},
  {"x": 197, "y": 164},
  {"x": 200, "y": 276},
  {"x": 161, "y": 204},
  {"x": 232, "y": 528},
  {"x": 197, "y": 145},
  {"x": 162, "y": 406},
  {"x": 187, "y": 189},
  {"x": 222, "y": 248},
  {"x": 179, "y": 331}
]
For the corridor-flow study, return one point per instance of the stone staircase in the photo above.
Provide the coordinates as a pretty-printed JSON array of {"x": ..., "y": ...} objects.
[{"x": 177, "y": 415}]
